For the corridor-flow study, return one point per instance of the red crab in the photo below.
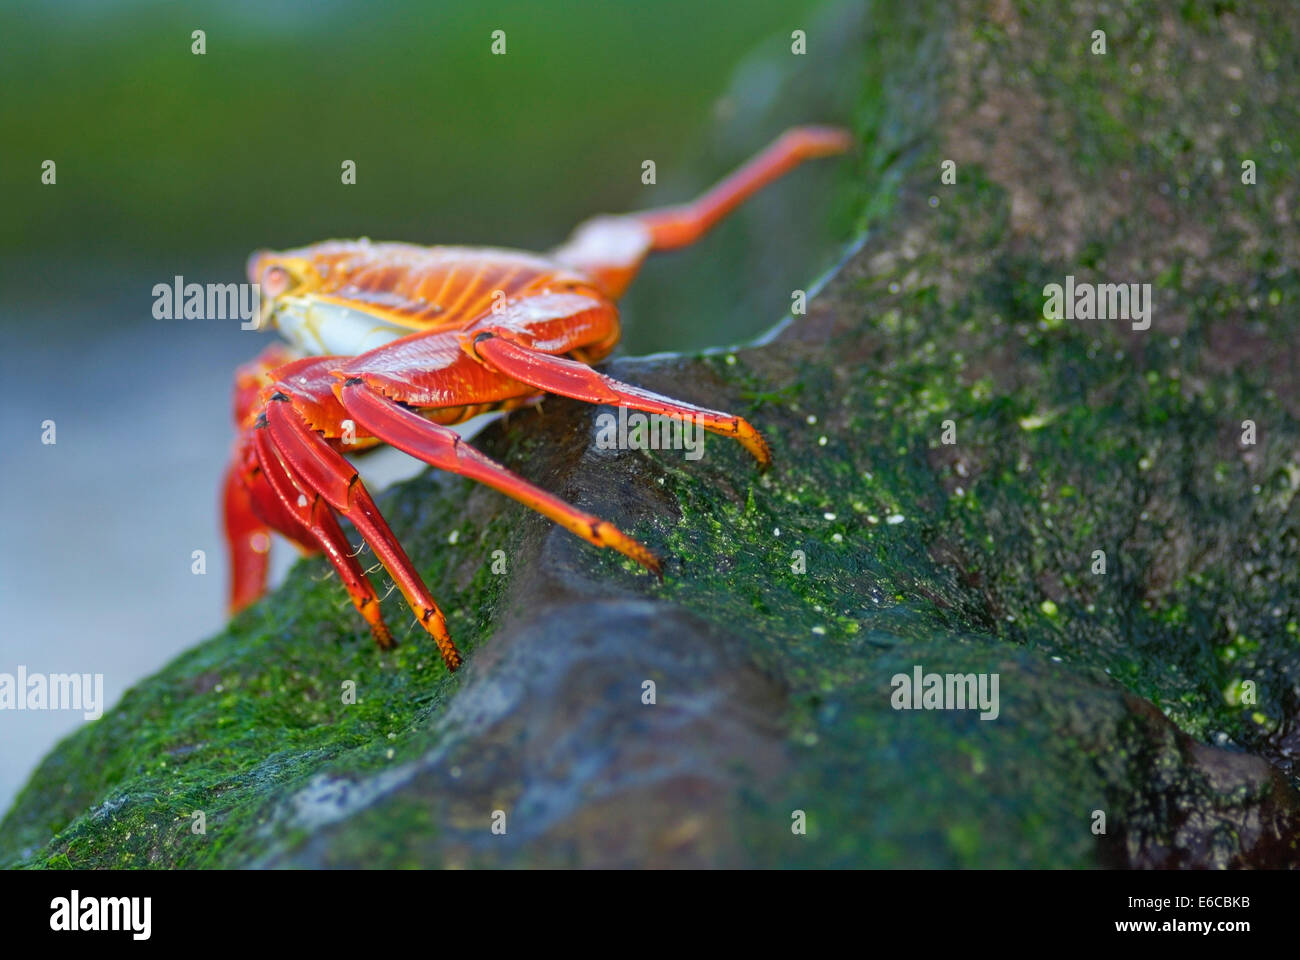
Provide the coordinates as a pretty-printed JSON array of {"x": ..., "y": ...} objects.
[{"x": 395, "y": 342}]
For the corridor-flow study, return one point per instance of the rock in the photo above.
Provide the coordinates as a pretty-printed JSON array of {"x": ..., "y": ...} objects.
[{"x": 1161, "y": 695}]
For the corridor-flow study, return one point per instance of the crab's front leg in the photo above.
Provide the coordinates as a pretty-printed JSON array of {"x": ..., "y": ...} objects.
[
  {"x": 318, "y": 468},
  {"x": 443, "y": 448},
  {"x": 248, "y": 541},
  {"x": 508, "y": 351},
  {"x": 304, "y": 509},
  {"x": 248, "y": 529}
]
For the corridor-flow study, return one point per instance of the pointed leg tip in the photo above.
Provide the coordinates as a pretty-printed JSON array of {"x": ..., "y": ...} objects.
[
  {"x": 450, "y": 655},
  {"x": 819, "y": 141},
  {"x": 605, "y": 534},
  {"x": 645, "y": 558},
  {"x": 435, "y": 624},
  {"x": 240, "y": 604},
  {"x": 653, "y": 564},
  {"x": 242, "y": 595},
  {"x": 756, "y": 444},
  {"x": 383, "y": 639}
]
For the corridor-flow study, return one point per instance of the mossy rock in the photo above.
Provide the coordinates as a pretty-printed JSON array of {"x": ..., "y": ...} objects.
[{"x": 1163, "y": 693}]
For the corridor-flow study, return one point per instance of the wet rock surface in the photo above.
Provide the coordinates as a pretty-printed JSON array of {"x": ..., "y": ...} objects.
[{"x": 1162, "y": 694}]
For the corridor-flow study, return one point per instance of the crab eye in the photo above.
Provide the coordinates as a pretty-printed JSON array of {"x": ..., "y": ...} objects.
[{"x": 275, "y": 281}]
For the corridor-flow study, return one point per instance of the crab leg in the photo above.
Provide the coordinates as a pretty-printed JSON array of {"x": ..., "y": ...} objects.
[
  {"x": 443, "y": 448},
  {"x": 319, "y": 520},
  {"x": 252, "y": 510},
  {"x": 249, "y": 510},
  {"x": 679, "y": 226},
  {"x": 610, "y": 249},
  {"x": 249, "y": 540},
  {"x": 325, "y": 471},
  {"x": 568, "y": 378}
]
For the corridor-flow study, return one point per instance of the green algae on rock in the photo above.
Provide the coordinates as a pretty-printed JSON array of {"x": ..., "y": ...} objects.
[{"x": 1099, "y": 535}]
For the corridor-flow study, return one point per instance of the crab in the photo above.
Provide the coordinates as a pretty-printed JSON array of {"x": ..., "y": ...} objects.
[{"x": 393, "y": 343}]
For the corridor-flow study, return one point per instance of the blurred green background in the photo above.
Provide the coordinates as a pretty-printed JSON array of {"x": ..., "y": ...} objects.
[{"x": 170, "y": 163}]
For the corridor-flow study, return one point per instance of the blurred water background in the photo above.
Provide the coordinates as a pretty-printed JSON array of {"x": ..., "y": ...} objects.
[{"x": 172, "y": 164}]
